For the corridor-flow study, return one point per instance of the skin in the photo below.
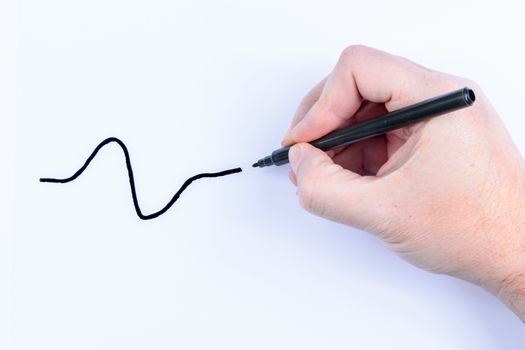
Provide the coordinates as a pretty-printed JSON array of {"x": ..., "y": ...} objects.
[{"x": 446, "y": 194}]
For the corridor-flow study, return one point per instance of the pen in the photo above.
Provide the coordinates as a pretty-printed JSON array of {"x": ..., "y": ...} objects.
[{"x": 432, "y": 107}]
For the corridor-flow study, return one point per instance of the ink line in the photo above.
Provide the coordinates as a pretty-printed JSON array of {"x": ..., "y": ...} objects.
[{"x": 132, "y": 179}]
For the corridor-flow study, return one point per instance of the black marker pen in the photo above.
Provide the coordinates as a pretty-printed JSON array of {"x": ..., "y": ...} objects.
[{"x": 432, "y": 107}]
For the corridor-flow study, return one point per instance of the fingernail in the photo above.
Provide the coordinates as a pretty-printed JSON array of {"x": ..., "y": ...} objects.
[
  {"x": 301, "y": 125},
  {"x": 286, "y": 139}
]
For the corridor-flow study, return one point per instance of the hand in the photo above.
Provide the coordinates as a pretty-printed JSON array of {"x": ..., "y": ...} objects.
[{"x": 446, "y": 194}]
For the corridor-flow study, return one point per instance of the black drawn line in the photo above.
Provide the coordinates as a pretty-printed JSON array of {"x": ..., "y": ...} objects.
[{"x": 132, "y": 179}]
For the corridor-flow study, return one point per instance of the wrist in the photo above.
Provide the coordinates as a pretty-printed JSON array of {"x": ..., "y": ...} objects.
[
  {"x": 511, "y": 287},
  {"x": 512, "y": 293}
]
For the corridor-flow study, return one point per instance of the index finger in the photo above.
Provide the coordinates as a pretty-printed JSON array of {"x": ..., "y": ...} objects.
[{"x": 364, "y": 73}]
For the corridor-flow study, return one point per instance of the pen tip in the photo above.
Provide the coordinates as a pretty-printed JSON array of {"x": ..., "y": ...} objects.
[{"x": 255, "y": 165}]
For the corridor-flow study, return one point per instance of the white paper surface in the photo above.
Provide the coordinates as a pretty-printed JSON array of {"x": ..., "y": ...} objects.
[{"x": 204, "y": 86}]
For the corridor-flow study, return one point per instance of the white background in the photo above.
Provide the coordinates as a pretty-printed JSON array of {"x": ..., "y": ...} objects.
[{"x": 236, "y": 264}]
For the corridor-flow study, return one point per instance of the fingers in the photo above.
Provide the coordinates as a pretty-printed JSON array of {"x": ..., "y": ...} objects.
[
  {"x": 363, "y": 74},
  {"x": 365, "y": 157},
  {"x": 305, "y": 105},
  {"x": 292, "y": 177},
  {"x": 328, "y": 190}
]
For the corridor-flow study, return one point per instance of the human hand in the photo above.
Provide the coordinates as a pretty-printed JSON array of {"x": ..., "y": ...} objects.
[{"x": 446, "y": 194}]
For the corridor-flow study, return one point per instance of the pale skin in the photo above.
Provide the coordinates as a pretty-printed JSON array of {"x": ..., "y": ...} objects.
[{"x": 446, "y": 194}]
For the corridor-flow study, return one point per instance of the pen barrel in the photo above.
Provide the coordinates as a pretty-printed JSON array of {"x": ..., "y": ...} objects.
[
  {"x": 397, "y": 119},
  {"x": 432, "y": 107},
  {"x": 280, "y": 156}
]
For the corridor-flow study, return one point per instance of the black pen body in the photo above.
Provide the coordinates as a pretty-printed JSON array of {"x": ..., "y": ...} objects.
[{"x": 432, "y": 107}]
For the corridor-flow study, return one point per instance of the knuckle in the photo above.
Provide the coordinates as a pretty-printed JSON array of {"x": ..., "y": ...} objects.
[
  {"x": 448, "y": 82},
  {"x": 472, "y": 85},
  {"x": 442, "y": 81},
  {"x": 353, "y": 51}
]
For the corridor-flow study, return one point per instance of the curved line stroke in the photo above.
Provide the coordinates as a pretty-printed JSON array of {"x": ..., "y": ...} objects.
[{"x": 132, "y": 178}]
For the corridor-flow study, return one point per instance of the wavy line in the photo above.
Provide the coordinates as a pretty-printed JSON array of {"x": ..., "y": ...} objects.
[{"x": 132, "y": 179}]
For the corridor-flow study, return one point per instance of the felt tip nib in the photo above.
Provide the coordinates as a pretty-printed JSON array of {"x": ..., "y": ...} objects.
[{"x": 255, "y": 165}]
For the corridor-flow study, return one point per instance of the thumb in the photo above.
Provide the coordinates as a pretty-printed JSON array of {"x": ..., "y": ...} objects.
[{"x": 328, "y": 190}]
